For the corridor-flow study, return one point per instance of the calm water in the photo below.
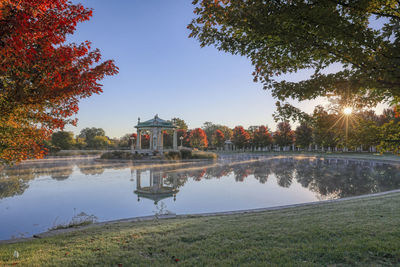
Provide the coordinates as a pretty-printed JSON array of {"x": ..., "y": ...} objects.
[{"x": 36, "y": 196}]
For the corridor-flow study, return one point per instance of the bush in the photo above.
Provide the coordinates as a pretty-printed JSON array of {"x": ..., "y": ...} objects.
[
  {"x": 172, "y": 155},
  {"x": 186, "y": 153},
  {"x": 204, "y": 155}
]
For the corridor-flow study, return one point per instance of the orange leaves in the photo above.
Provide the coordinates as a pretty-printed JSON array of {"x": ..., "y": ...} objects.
[
  {"x": 45, "y": 79},
  {"x": 198, "y": 138}
]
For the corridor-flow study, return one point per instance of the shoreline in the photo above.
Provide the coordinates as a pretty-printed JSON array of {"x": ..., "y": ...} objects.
[{"x": 57, "y": 232}]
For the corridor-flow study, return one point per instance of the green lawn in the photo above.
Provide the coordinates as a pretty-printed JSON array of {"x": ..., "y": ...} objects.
[{"x": 364, "y": 232}]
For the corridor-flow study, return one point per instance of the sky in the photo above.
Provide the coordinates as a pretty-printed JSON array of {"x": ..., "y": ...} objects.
[{"x": 162, "y": 71}]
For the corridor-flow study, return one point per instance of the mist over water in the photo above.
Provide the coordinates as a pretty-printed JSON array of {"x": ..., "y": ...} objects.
[{"x": 38, "y": 195}]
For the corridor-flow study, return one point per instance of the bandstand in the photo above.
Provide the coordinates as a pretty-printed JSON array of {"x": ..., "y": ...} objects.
[{"x": 155, "y": 128}]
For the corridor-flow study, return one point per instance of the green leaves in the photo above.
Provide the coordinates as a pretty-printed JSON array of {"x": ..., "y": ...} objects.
[{"x": 283, "y": 37}]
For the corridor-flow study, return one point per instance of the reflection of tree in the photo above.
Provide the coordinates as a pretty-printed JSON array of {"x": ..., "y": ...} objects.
[
  {"x": 12, "y": 187},
  {"x": 91, "y": 169},
  {"x": 61, "y": 173},
  {"x": 283, "y": 170},
  {"x": 261, "y": 172},
  {"x": 343, "y": 178}
]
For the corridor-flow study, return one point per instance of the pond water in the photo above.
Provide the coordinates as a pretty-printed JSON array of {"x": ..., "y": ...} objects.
[{"x": 39, "y": 195}]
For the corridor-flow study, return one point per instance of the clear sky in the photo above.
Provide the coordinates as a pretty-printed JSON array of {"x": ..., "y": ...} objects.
[{"x": 164, "y": 72}]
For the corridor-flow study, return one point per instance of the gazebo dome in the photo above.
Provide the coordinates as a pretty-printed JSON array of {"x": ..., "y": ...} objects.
[{"x": 155, "y": 123}]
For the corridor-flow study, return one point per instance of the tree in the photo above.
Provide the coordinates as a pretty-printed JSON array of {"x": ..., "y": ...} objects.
[
  {"x": 100, "y": 142},
  {"x": 390, "y": 137},
  {"x": 185, "y": 140},
  {"x": 240, "y": 137},
  {"x": 324, "y": 132},
  {"x": 63, "y": 140},
  {"x": 125, "y": 141},
  {"x": 198, "y": 139},
  {"x": 284, "y": 136},
  {"x": 218, "y": 139},
  {"x": 281, "y": 37},
  {"x": 145, "y": 140},
  {"x": 80, "y": 143},
  {"x": 210, "y": 129},
  {"x": 88, "y": 134},
  {"x": 42, "y": 79},
  {"x": 168, "y": 138},
  {"x": 181, "y": 124},
  {"x": 303, "y": 135},
  {"x": 262, "y": 137}
]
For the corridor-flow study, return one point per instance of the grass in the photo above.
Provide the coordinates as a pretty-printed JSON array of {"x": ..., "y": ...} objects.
[{"x": 359, "y": 232}]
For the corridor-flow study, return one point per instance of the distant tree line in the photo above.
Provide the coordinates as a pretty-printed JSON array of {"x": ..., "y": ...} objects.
[{"x": 325, "y": 129}]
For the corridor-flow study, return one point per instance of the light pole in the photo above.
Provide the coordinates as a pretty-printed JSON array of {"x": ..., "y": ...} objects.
[{"x": 181, "y": 138}]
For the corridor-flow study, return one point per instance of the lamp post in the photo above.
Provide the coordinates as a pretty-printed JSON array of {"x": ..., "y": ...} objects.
[{"x": 181, "y": 138}]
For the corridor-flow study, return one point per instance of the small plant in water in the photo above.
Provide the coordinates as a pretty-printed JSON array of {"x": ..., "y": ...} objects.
[{"x": 80, "y": 219}]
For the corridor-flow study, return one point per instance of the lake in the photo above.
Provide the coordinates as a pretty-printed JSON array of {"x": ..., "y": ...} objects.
[{"x": 38, "y": 195}]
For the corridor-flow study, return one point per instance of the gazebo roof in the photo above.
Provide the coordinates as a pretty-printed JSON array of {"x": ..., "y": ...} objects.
[{"x": 155, "y": 122}]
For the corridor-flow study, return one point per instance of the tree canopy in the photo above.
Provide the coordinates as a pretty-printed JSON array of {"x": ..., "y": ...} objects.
[
  {"x": 283, "y": 37},
  {"x": 42, "y": 78}
]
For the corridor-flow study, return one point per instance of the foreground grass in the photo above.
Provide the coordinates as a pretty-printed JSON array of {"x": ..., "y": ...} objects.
[{"x": 349, "y": 233}]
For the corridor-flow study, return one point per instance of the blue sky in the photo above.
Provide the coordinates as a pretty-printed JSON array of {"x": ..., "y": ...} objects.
[{"x": 164, "y": 72}]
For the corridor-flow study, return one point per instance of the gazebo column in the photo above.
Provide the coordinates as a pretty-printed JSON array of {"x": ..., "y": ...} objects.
[
  {"x": 139, "y": 140},
  {"x": 161, "y": 143},
  {"x": 175, "y": 141},
  {"x": 138, "y": 179},
  {"x": 151, "y": 140}
]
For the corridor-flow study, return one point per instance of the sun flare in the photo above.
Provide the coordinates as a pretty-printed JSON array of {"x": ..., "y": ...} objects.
[{"x": 347, "y": 110}]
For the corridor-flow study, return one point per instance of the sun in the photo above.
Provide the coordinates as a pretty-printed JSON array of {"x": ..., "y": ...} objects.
[{"x": 347, "y": 110}]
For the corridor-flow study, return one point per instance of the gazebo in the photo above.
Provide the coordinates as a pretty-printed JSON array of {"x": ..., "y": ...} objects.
[
  {"x": 157, "y": 189},
  {"x": 155, "y": 126}
]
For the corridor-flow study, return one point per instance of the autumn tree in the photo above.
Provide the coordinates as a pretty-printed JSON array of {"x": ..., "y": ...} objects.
[
  {"x": 198, "y": 139},
  {"x": 240, "y": 137},
  {"x": 283, "y": 37},
  {"x": 63, "y": 140},
  {"x": 42, "y": 78},
  {"x": 218, "y": 139},
  {"x": 210, "y": 129},
  {"x": 284, "y": 136},
  {"x": 145, "y": 140},
  {"x": 262, "y": 136},
  {"x": 183, "y": 137},
  {"x": 303, "y": 134}
]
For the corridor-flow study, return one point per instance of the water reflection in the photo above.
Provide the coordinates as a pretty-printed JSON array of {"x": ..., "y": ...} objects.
[{"x": 331, "y": 178}]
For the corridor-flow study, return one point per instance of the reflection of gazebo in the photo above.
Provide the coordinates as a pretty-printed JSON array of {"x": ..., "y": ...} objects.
[
  {"x": 155, "y": 126},
  {"x": 156, "y": 190}
]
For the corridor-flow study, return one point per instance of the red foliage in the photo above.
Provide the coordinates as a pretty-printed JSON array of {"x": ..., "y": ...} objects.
[
  {"x": 185, "y": 140},
  {"x": 240, "y": 137},
  {"x": 145, "y": 141},
  {"x": 198, "y": 138},
  {"x": 218, "y": 138},
  {"x": 262, "y": 137},
  {"x": 42, "y": 78}
]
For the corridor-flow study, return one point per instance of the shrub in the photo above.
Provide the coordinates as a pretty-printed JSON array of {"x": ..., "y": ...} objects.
[
  {"x": 186, "y": 153},
  {"x": 204, "y": 155},
  {"x": 172, "y": 155}
]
